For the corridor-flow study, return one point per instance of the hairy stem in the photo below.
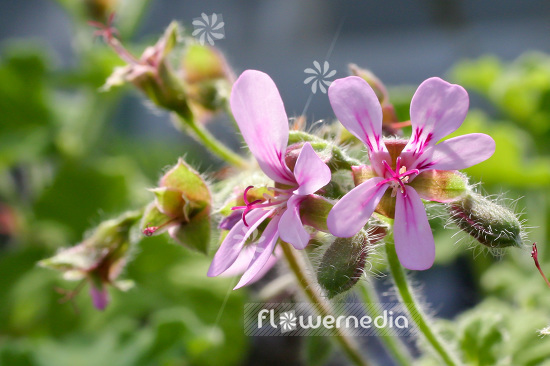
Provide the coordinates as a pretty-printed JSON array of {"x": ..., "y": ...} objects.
[
  {"x": 213, "y": 144},
  {"x": 296, "y": 264},
  {"x": 394, "y": 347},
  {"x": 416, "y": 314}
]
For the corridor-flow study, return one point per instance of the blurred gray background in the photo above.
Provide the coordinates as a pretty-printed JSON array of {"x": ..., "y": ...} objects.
[{"x": 402, "y": 41}]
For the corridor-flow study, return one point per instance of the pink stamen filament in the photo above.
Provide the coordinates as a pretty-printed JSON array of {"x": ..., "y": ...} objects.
[
  {"x": 535, "y": 255},
  {"x": 271, "y": 201},
  {"x": 396, "y": 176},
  {"x": 107, "y": 31}
]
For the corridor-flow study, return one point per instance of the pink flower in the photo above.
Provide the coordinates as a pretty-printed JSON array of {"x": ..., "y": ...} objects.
[
  {"x": 260, "y": 114},
  {"x": 437, "y": 109}
]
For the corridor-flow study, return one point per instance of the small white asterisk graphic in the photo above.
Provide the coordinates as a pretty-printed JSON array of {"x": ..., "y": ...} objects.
[
  {"x": 287, "y": 320},
  {"x": 320, "y": 76},
  {"x": 253, "y": 237},
  {"x": 208, "y": 28}
]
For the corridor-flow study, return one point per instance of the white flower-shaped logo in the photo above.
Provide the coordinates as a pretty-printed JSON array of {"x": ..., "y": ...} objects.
[
  {"x": 320, "y": 76},
  {"x": 208, "y": 28},
  {"x": 255, "y": 237},
  {"x": 287, "y": 320}
]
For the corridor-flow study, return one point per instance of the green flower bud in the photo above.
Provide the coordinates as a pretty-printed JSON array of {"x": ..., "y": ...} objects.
[
  {"x": 491, "y": 224},
  {"x": 343, "y": 264},
  {"x": 182, "y": 206}
]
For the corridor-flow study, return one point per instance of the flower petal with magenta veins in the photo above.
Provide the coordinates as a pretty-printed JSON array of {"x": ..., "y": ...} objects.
[
  {"x": 438, "y": 108},
  {"x": 310, "y": 171},
  {"x": 231, "y": 247},
  {"x": 264, "y": 250},
  {"x": 414, "y": 241},
  {"x": 259, "y": 111},
  {"x": 357, "y": 107},
  {"x": 291, "y": 228},
  {"x": 462, "y": 152},
  {"x": 353, "y": 210}
]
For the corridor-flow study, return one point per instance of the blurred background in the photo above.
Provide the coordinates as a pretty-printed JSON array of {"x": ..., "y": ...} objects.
[{"x": 71, "y": 157}]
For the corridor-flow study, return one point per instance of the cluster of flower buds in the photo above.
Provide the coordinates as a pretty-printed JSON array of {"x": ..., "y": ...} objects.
[
  {"x": 98, "y": 259},
  {"x": 193, "y": 87}
]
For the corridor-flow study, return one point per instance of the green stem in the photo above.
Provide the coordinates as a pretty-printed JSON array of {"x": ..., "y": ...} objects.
[
  {"x": 213, "y": 144},
  {"x": 394, "y": 347},
  {"x": 296, "y": 264},
  {"x": 415, "y": 312}
]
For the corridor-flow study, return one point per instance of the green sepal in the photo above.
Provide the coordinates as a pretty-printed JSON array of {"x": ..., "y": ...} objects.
[
  {"x": 169, "y": 201},
  {"x": 314, "y": 212},
  {"x": 195, "y": 234},
  {"x": 441, "y": 185},
  {"x": 153, "y": 217},
  {"x": 188, "y": 181}
]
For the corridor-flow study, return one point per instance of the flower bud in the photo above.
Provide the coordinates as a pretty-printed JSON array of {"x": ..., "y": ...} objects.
[
  {"x": 152, "y": 73},
  {"x": 182, "y": 206},
  {"x": 343, "y": 264},
  {"x": 492, "y": 225},
  {"x": 100, "y": 258},
  {"x": 208, "y": 79}
]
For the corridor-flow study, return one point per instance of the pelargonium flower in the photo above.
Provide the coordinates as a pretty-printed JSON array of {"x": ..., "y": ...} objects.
[
  {"x": 437, "y": 109},
  {"x": 261, "y": 117}
]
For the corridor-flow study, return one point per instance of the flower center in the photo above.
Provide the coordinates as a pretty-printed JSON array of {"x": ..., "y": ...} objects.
[
  {"x": 398, "y": 177},
  {"x": 279, "y": 198}
]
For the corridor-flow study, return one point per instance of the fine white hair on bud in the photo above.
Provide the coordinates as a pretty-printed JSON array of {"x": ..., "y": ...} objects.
[{"x": 490, "y": 223}]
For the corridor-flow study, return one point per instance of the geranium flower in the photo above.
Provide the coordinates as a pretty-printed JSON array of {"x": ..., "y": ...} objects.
[
  {"x": 260, "y": 114},
  {"x": 437, "y": 109}
]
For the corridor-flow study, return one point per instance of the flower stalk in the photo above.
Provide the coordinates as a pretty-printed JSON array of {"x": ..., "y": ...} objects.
[
  {"x": 395, "y": 348},
  {"x": 409, "y": 302},
  {"x": 308, "y": 286},
  {"x": 216, "y": 147}
]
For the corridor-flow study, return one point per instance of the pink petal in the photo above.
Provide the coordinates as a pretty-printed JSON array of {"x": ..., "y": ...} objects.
[
  {"x": 414, "y": 241},
  {"x": 100, "y": 296},
  {"x": 353, "y": 210},
  {"x": 310, "y": 171},
  {"x": 264, "y": 250},
  {"x": 438, "y": 108},
  {"x": 260, "y": 114},
  {"x": 242, "y": 263},
  {"x": 291, "y": 228},
  {"x": 234, "y": 241},
  {"x": 461, "y": 152},
  {"x": 356, "y": 106}
]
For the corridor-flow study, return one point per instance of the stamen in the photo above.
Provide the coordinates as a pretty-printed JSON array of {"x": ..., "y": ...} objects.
[
  {"x": 534, "y": 254},
  {"x": 270, "y": 201},
  {"x": 399, "y": 179},
  {"x": 108, "y": 32}
]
